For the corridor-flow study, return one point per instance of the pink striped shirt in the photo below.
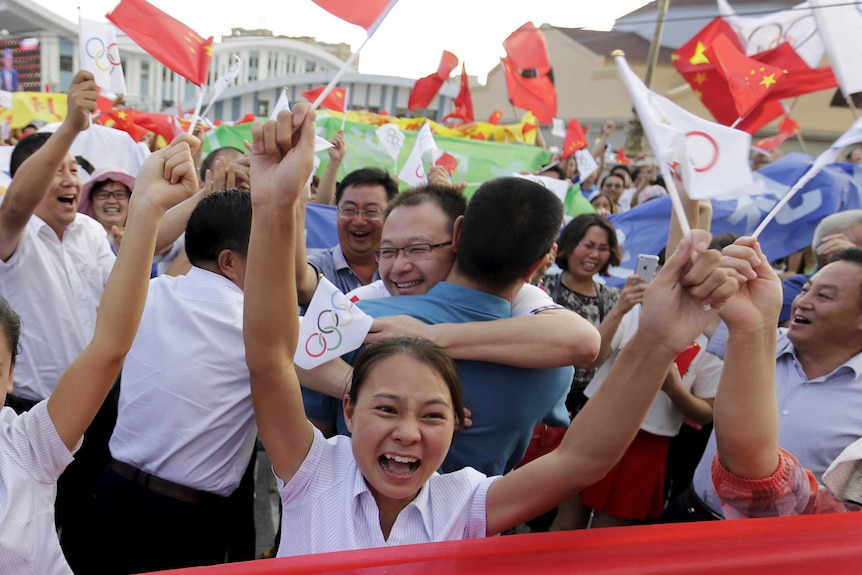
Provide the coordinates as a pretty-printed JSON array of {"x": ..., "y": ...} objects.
[{"x": 328, "y": 506}]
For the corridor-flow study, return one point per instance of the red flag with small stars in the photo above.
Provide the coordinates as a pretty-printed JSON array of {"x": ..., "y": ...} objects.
[{"x": 165, "y": 38}]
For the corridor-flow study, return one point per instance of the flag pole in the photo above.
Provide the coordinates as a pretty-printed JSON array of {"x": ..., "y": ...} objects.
[
  {"x": 344, "y": 109},
  {"x": 352, "y": 58},
  {"x": 197, "y": 113},
  {"x": 619, "y": 58}
]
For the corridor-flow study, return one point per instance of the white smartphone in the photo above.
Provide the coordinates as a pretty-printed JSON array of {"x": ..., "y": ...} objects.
[{"x": 646, "y": 267}]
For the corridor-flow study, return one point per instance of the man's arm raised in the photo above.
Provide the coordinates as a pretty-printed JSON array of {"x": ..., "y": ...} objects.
[
  {"x": 166, "y": 178},
  {"x": 34, "y": 177},
  {"x": 280, "y": 165}
]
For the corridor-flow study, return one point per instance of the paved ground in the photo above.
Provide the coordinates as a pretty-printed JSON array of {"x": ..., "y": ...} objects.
[{"x": 265, "y": 504}]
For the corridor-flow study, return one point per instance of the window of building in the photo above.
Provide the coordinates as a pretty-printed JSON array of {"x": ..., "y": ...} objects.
[
  {"x": 262, "y": 108},
  {"x": 253, "y": 65},
  {"x": 145, "y": 78},
  {"x": 310, "y": 66}
]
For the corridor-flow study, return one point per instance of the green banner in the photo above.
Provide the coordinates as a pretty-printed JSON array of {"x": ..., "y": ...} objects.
[{"x": 478, "y": 160}]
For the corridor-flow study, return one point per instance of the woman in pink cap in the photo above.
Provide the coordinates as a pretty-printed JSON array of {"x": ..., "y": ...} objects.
[{"x": 105, "y": 197}]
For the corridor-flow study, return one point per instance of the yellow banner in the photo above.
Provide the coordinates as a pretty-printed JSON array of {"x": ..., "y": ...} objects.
[{"x": 29, "y": 106}]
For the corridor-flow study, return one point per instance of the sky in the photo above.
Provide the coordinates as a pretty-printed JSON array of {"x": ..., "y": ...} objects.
[{"x": 409, "y": 43}]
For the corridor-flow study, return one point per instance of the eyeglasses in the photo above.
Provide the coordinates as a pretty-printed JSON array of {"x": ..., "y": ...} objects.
[
  {"x": 590, "y": 246},
  {"x": 412, "y": 253},
  {"x": 118, "y": 195},
  {"x": 350, "y": 213}
]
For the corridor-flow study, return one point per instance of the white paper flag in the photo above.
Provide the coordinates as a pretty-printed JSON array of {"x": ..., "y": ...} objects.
[
  {"x": 5, "y": 99},
  {"x": 559, "y": 187},
  {"x": 281, "y": 104},
  {"x": 586, "y": 164},
  {"x": 392, "y": 139},
  {"x": 712, "y": 158},
  {"x": 558, "y": 128},
  {"x": 331, "y": 327},
  {"x": 99, "y": 54},
  {"x": 413, "y": 172},
  {"x": 840, "y": 23}
]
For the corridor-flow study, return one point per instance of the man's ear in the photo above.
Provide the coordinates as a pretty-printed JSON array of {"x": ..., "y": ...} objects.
[
  {"x": 348, "y": 412},
  {"x": 456, "y": 233},
  {"x": 228, "y": 265}
]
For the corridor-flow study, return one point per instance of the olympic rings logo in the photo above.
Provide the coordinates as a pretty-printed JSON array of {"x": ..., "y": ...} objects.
[
  {"x": 109, "y": 53},
  {"x": 394, "y": 137},
  {"x": 711, "y": 143},
  {"x": 328, "y": 323}
]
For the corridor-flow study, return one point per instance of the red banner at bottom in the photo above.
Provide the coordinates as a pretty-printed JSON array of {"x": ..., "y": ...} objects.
[{"x": 790, "y": 546}]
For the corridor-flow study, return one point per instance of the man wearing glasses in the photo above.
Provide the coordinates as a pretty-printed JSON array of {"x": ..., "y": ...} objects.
[{"x": 361, "y": 199}]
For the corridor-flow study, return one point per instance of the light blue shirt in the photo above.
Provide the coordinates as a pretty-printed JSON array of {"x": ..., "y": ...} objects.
[{"x": 817, "y": 418}]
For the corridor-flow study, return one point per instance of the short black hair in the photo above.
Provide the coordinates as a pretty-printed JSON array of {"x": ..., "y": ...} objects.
[
  {"x": 509, "y": 224},
  {"x": 10, "y": 325},
  {"x": 208, "y": 162},
  {"x": 26, "y": 148},
  {"x": 367, "y": 177},
  {"x": 451, "y": 201},
  {"x": 220, "y": 221}
]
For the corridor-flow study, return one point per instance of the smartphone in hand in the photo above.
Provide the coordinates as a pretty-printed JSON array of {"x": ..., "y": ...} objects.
[{"x": 647, "y": 267}]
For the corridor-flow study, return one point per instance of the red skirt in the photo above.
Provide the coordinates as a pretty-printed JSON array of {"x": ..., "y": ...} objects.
[{"x": 634, "y": 489}]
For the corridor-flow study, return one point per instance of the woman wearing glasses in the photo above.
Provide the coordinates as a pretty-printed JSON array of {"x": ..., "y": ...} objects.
[{"x": 105, "y": 198}]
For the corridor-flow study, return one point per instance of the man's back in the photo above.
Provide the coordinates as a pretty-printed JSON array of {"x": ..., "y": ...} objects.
[
  {"x": 185, "y": 410},
  {"x": 506, "y": 402}
]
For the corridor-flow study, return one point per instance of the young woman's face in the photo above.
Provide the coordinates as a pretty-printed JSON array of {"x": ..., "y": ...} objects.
[
  {"x": 590, "y": 254},
  {"x": 402, "y": 426},
  {"x": 602, "y": 204}
]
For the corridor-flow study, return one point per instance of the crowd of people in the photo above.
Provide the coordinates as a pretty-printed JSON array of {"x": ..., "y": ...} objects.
[{"x": 149, "y": 323}]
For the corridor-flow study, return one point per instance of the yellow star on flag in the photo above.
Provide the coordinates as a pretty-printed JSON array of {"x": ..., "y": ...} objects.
[
  {"x": 699, "y": 56},
  {"x": 768, "y": 81},
  {"x": 700, "y": 78}
]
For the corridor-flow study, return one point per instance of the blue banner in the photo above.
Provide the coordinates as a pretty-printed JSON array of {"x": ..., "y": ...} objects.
[{"x": 837, "y": 188}]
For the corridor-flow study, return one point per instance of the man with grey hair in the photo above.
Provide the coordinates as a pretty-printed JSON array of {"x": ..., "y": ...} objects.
[{"x": 833, "y": 234}]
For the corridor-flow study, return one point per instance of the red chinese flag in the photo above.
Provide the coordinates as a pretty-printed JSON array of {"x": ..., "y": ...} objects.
[
  {"x": 448, "y": 161},
  {"x": 526, "y": 48},
  {"x": 801, "y": 78},
  {"x": 426, "y": 88},
  {"x": 748, "y": 80},
  {"x": 575, "y": 139},
  {"x": 165, "y": 125},
  {"x": 691, "y": 61},
  {"x": 683, "y": 360},
  {"x": 335, "y": 100},
  {"x": 463, "y": 102},
  {"x": 495, "y": 116},
  {"x": 164, "y": 38},
  {"x": 363, "y": 14},
  {"x": 536, "y": 94},
  {"x": 786, "y": 128},
  {"x": 621, "y": 156},
  {"x": 123, "y": 120}
]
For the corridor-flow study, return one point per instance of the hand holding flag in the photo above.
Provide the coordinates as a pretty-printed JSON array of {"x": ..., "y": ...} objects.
[{"x": 98, "y": 52}]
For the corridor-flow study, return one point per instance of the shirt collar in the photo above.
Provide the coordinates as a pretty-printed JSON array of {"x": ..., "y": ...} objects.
[
  {"x": 38, "y": 224},
  {"x": 476, "y": 299},
  {"x": 786, "y": 347},
  {"x": 200, "y": 275},
  {"x": 421, "y": 502},
  {"x": 338, "y": 258}
]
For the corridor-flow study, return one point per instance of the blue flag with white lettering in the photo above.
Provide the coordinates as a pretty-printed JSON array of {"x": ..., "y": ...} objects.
[{"x": 643, "y": 230}]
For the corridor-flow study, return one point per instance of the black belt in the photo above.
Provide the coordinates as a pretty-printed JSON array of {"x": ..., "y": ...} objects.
[{"x": 161, "y": 486}]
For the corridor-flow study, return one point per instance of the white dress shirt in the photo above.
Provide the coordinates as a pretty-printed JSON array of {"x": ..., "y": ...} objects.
[
  {"x": 32, "y": 457},
  {"x": 185, "y": 411},
  {"x": 55, "y": 286},
  {"x": 327, "y": 505}
]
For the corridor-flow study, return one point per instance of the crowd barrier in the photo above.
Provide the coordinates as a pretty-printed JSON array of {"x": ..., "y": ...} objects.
[{"x": 789, "y": 546}]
